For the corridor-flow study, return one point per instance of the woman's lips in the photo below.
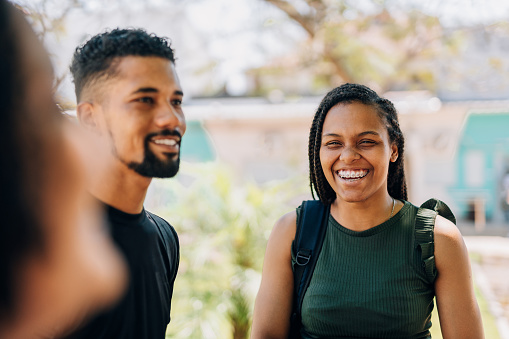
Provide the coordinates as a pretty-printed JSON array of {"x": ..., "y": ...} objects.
[{"x": 352, "y": 174}]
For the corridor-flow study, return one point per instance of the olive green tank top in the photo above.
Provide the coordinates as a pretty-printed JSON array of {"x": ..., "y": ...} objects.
[{"x": 371, "y": 284}]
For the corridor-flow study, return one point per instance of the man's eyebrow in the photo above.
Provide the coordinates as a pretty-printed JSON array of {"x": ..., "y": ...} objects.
[
  {"x": 154, "y": 90},
  {"x": 146, "y": 90}
]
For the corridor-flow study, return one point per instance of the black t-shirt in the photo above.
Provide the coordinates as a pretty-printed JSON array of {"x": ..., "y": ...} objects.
[{"x": 151, "y": 248}]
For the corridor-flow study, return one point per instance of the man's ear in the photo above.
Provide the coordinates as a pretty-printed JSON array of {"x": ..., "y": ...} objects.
[{"x": 87, "y": 116}]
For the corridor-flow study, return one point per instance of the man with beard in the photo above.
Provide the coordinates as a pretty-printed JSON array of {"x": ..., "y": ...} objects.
[{"x": 129, "y": 94}]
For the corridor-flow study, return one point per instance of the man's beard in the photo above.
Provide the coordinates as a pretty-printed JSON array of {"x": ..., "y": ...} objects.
[{"x": 152, "y": 166}]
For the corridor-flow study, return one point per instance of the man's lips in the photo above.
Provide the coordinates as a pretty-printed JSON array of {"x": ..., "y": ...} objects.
[
  {"x": 167, "y": 142},
  {"x": 170, "y": 144}
]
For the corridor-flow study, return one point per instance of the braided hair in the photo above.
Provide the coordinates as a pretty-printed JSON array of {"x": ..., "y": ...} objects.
[
  {"x": 346, "y": 94},
  {"x": 20, "y": 172},
  {"x": 96, "y": 57}
]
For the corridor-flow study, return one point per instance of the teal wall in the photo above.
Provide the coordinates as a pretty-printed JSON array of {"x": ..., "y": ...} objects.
[
  {"x": 196, "y": 143},
  {"x": 487, "y": 135}
]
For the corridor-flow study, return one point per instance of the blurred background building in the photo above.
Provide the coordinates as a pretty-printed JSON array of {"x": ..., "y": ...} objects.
[{"x": 456, "y": 151}]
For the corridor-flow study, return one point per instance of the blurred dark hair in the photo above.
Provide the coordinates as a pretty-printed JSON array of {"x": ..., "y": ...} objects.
[
  {"x": 346, "y": 94},
  {"x": 94, "y": 59},
  {"x": 20, "y": 233}
]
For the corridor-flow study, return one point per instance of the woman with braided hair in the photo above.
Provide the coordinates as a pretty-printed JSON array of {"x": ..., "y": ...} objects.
[{"x": 378, "y": 269}]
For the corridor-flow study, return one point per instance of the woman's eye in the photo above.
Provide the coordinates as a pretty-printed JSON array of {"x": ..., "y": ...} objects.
[
  {"x": 176, "y": 102},
  {"x": 333, "y": 143},
  {"x": 367, "y": 142}
]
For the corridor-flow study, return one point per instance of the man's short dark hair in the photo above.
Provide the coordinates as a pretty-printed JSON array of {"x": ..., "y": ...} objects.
[{"x": 94, "y": 59}]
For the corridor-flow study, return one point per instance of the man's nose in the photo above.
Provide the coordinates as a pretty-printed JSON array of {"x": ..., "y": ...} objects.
[{"x": 169, "y": 117}]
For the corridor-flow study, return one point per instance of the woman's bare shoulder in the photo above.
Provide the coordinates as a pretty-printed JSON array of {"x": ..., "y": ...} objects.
[
  {"x": 285, "y": 227},
  {"x": 450, "y": 249},
  {"x": 446, "y": 231}
]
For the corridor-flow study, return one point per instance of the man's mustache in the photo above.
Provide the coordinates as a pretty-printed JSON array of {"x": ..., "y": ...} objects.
[{"x": 164, "y": 133}]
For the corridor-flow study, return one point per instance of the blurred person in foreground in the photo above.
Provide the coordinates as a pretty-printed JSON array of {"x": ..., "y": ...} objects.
[
  {"x": 378, "y": 271},
  {"x": 129, "y": 95},
  {"x": 56, "y": 260}
]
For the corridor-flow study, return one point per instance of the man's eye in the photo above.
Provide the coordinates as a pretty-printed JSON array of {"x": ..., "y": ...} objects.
[
  {"x": 176, "y": 102},
  {"x": 146, "y": 100}
]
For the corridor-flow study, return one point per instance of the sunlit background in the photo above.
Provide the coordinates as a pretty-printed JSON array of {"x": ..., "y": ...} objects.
[{"x": 253, "y": 73}]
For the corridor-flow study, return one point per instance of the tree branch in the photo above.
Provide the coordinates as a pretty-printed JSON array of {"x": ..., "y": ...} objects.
[{"x": 304, "y": 21}]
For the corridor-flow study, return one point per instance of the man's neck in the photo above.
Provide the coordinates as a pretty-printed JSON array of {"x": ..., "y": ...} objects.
[{"x": 121, "y": 188}]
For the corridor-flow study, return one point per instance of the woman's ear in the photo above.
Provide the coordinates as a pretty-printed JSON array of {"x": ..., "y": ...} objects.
[{"x": 394, "y": 152}]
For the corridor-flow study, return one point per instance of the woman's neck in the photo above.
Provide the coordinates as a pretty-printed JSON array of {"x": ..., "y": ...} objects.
[{"x": 363, "y": 215}]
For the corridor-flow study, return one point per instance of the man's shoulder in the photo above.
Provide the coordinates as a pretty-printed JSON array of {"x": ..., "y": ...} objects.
[
  {"x": 157, "y": 219},
  {"x": 166, "y": 229},
  {"x": 168, "y": 237}
]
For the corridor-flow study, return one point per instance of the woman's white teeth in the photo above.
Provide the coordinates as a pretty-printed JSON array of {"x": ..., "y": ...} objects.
[
  {"x": 167, "y": 142},
  {"x": 352, "y": 174}
]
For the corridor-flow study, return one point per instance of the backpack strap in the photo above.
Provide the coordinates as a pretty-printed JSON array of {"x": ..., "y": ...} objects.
[
  {"x": 424, "y": 232},
  {"x": 313, "y": 221}
]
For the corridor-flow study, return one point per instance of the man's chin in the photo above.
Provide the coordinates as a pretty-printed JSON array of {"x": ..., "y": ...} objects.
[
  {"x": 169, "y": 174},
  {"x": 156, "y": 170}
]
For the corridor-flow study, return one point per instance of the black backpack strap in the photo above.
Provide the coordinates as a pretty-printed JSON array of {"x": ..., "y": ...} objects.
[
  {"x": 311, "y": 228},
  {"x": 424, "y": 232}
]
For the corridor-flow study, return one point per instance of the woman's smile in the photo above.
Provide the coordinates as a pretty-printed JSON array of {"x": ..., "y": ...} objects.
[{"x": 352, "y": 175}]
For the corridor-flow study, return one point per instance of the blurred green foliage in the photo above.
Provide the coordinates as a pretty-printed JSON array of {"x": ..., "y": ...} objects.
[{"x": 223, "y": 226}]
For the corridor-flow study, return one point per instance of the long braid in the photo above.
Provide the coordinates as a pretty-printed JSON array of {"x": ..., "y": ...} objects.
[
  {"x": 348, "y": 93},
  {"x": 317, "y": 179},
  {"x": 396, "y": 183},
  {"x": 311, "y": 152}
]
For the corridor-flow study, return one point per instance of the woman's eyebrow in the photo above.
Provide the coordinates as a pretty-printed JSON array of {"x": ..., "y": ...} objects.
[
  {"x": 368, "y": 133},
  {"x": 359, "y": 135}
]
